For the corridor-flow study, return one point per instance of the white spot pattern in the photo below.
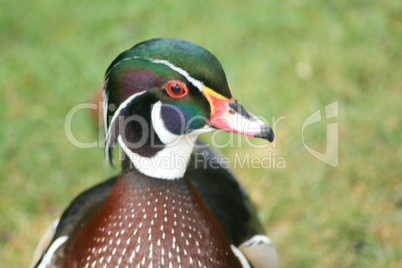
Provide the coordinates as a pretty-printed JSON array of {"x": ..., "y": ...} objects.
[{"x": 171, "y": 236}]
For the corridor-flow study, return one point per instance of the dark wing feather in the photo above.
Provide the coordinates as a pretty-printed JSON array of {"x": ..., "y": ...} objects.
[
  {"x": 223, "y": 195},
  {"x": 76, "y": 215}
]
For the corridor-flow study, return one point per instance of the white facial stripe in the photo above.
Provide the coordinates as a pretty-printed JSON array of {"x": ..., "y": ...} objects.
[
  {"x": 198, "y": 84},
  {"x": 123, "y": 105},
  {"x": 115, "y": 115},
  {"x": 167, "y": 137},
  {"x": 184, "y": 73},
  {"x": 164, "y": 135}
]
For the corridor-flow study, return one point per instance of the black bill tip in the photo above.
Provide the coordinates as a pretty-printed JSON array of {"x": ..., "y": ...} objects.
[{"x": 266, "y": 133}]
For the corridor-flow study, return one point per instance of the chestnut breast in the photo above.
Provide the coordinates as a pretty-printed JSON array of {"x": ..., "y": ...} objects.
[{"x": 149, "y": 222}]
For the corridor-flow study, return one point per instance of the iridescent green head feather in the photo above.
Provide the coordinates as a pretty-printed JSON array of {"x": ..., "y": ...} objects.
[{"x": 175, "y": 87}]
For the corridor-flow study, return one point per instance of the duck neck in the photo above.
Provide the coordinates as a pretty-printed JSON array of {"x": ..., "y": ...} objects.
[{"x": 169, "y": 163}]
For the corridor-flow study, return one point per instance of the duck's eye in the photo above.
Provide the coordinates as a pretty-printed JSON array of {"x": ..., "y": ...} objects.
[{"x": 176, "y": 89}]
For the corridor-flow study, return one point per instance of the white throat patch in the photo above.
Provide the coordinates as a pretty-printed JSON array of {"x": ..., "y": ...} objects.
[{"x": 170, "y": 162}]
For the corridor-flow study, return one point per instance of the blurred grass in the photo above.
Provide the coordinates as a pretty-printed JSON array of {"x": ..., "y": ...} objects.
[{"x": 282, "y": 58}]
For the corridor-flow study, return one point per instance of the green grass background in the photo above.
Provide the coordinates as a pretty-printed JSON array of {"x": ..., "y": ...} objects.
[{"x": 282, "y": 58}]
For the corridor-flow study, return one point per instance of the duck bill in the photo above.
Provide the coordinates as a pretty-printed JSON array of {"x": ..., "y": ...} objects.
[{"x": 229, "y": 115}]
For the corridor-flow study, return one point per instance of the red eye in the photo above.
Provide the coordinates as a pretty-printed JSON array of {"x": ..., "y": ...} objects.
[{"x": 176, "y": 89}]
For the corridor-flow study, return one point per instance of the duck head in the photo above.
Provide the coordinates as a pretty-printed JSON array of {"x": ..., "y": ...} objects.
[{"x": 160, "y": 95}]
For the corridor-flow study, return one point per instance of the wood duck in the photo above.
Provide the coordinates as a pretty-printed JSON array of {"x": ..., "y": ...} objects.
[{"x": 167, "y": 207}]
